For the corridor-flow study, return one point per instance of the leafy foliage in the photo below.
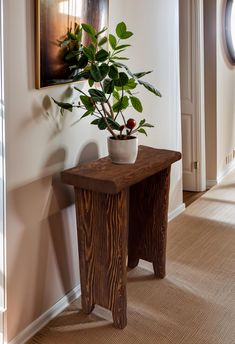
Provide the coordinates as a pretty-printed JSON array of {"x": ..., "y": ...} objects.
[{"x": 112, "y": 84}]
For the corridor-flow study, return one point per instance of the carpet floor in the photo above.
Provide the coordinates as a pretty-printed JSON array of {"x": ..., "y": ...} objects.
[{"x": 194, "y": 304}]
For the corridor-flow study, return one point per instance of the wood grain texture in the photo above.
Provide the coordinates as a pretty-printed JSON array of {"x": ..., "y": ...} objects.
[
  {"x": 148, "y": 221},
  {"x": 102, "y": 239},
  {"x": 104, "y": 176}
]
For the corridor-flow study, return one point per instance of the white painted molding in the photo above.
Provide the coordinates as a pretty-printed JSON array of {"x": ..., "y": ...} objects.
[
  {"x": 50, "y": 314},
  {"x": 199, "y": 95},
  {"x": 230, "y": 167},
  {"x": 173, "y": 214},
  {"x": 210, "y": 183},
  {"x": 226, "y": 171}
]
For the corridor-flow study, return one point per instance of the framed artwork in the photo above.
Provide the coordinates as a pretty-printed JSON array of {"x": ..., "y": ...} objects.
[
  {"x": 53, "y": 19},
  {"x": 230, "y": 29}
]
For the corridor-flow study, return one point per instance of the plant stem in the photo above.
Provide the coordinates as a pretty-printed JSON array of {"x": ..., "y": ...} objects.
[
  {"x": 110, "y": 109},
  {"x": 120, "y": 101},
  {"x": 108, "y": 126}
]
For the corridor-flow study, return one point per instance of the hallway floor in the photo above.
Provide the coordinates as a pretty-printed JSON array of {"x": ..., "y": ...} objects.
[{"x": 194, "y": 304}]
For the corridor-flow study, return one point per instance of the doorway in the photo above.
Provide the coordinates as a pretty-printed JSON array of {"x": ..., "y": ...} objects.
[{"x": 192, "y": 94}]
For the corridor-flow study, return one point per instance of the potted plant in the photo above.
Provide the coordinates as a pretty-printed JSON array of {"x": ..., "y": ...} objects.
[{"x": 112, "y": 86}]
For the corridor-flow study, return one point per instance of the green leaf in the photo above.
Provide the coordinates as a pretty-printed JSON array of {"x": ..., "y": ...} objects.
[
  {"x": 142, "y": 131},
  {"x": 103, "y": 30},
  {"x": 127, "y": 34},
  {"x": 102, "y": 55},
  {"x": 97, "y": 95},
  {"x": 131, "y": 85},
  {"x": 113, "y": 124},
  {"x": 112, "y": 41},
  {"x": 64, "y": 106},
  {"x": 113, "y": 72},
  {"x": 78, "y": 89},
  {"x": 121, "y": 29},
  {"x": 116, "y": 95},
  {"x": 140, "y": 75},
  {"x": 87, "y": 113},
  {"x": 103, "y": 41},
  {"x": 108, "y": 86},
  {"x": 122, "y": 32},
  {"x": 148, "y": 125},
  {"x": 119, "y": 58},
  {"x": 122, "y": 104},
  {"x": 89, "y": 29},
  {"x": 95, "y": 73},
  {"x": 150, "y": 88},
  {"x": 121, "y": 65},
  {"x": 89, "y": 52},
  {"x": 91, "y": 82},
  {"x": 104, "y": 69},
  {"x": 118, "y": 52},
  {"x": 82, "y": 62},
  {"x": 122, "y": 81},
  {"x": 87, "y": 102},
  {"x": 82, "y": 75},
  {"x": 95, "y": 121},
  {"x": 123, "y": 46},
  {"x": 136, "y": 103},
  {"x": 102, "y": 125},
  {"x": 141, "y": 123}
]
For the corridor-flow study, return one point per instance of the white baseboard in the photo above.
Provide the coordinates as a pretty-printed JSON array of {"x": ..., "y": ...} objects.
[
  {"x": 223, "y": 174},
  {"x": 176, "y": 212},
  {"x": 210, "y": 183},
  {"x": 50, "y": 314},
  {"x": 226, "y": 171},
  {"x": 1, "y": 328}
]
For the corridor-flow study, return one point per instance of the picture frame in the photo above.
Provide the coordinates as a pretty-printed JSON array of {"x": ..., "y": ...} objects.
[
  {"x": 229, "y": 27},
  {"x": 53, "y": 19}
]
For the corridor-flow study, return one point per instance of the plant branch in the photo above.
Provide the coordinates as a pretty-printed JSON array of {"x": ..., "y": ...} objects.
[
  {"x": 105, "y": 119},
  {"x": 110, "y": 109},
  {"x": 120, "y": 102}
]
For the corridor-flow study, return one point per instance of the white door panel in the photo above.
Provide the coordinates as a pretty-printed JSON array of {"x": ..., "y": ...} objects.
[{"x": 192, "y": 87}]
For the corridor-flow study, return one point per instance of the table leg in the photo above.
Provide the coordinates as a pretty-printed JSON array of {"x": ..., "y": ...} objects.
[
  {"x": 148, "y": 221},
  {"x": 102, "y": 236}
]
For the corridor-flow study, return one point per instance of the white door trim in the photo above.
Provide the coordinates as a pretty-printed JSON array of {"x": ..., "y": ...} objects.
[
  {"x": 2, "y": 186},
  {"x": 200, "y": 96},
  {"x": 192, "y": 95}
]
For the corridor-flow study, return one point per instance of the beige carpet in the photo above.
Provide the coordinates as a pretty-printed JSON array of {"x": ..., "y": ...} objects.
[{"x": 194, "y": 304}]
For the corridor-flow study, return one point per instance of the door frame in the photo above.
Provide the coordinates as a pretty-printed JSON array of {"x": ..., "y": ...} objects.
[
  {"x": 2, "y": 188},
  {"x": 199, "y": 97}
]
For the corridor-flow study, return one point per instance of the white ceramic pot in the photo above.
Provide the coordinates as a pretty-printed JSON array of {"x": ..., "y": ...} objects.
[{"x": 123, "y": 151}]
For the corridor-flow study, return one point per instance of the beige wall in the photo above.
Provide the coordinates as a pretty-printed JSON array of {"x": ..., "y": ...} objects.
[
  {"x": 41, "y": 235},
  {"x": 225, "y": 98},
  {"x": 219, "y": 93}
]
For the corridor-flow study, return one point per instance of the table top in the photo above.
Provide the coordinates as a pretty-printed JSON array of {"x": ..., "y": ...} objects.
[{"x": 104, "y": 176}]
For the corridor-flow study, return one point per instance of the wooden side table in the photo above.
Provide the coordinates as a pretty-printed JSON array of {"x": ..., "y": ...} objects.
[{"x": 116, "y": 205}]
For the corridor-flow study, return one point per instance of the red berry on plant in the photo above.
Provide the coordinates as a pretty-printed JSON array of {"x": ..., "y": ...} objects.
[
  {"x": 131, "y": 123},
  {"x": 121, "y": 127}
]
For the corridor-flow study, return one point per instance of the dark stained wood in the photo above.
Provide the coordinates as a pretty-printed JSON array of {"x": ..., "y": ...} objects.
[
  {"x": 102, "y": 239},
  {"x": 148, "y": 217},
  {"x": 103, "y": 176},
  {"x": 191, "y": 196},
  {"x": 106, "y": 195}
]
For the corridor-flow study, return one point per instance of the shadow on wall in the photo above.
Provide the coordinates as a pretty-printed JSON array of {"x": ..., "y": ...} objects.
[{"x": 43, "y": 252}]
